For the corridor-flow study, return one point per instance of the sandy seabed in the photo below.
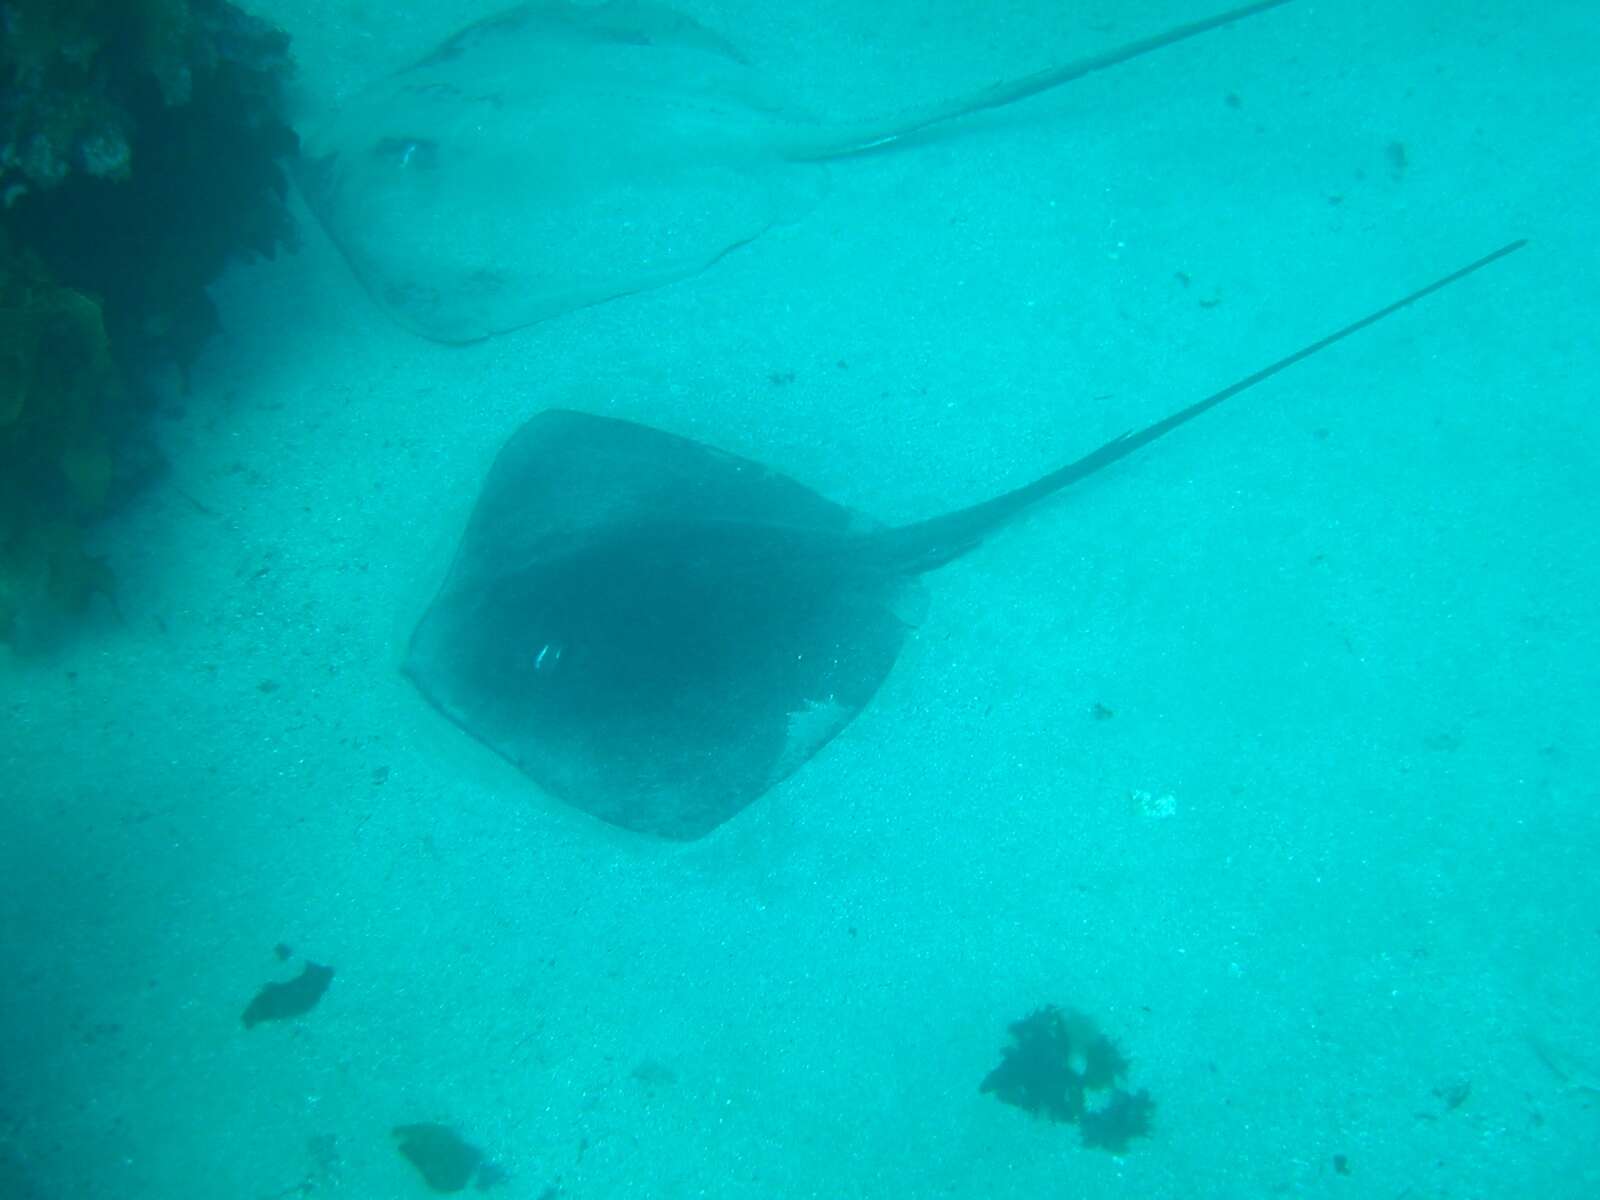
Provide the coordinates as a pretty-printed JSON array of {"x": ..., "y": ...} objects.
[{"x": 1327, "y": 872}]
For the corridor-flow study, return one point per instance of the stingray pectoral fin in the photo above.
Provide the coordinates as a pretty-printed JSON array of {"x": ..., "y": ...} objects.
[
  {"x": 841, "y": 139},
  {"x": 653, "y": 630},
  {"x": 932, "y": 543},
  {"x": 553, "y": 156}
]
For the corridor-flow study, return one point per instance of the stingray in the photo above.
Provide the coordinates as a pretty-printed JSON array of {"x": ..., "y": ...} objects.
[
  {"x": 556, "y": 156},
  {"x": 657, "y": 632}
]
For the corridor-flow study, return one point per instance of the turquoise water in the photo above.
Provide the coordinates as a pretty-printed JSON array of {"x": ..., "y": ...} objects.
[{"x": 1325, "y": 873}]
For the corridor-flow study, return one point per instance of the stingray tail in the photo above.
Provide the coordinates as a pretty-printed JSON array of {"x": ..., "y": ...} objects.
[
  {"x": 867, "y": 134},
  {"x": 913, "y": 549}
]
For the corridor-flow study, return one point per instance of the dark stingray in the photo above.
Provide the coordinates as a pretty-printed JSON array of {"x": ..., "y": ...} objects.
[
  {"x": 657, "y": 632},
  {"x": 557, "y": 155}
]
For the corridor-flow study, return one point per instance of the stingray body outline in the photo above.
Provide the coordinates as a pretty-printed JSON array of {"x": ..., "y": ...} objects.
[
  {"x": 657, "y": 632},
  {"x": 558, "y": 155}
]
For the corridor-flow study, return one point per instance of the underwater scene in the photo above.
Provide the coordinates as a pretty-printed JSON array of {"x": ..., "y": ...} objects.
[{"x": 702, "y": 599}]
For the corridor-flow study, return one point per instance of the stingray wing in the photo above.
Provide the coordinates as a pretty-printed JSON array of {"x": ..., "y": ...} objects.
[
  {"x": 654, "y": 631},
  {"x": 548, "y": 158}
]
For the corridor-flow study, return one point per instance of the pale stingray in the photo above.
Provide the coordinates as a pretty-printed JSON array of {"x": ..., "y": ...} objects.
[
  {"x": 556, "y": 155},
  {"x": 657, "y": 632}
]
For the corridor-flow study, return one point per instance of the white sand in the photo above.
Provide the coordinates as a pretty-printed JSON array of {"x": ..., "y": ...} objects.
[{"x": 1346, "y": 622}]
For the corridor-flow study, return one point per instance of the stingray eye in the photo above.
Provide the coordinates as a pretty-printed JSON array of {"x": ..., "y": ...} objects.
[{"x": 548, "y": 656}]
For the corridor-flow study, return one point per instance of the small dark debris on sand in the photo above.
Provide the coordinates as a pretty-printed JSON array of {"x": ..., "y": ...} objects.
[
  {"x": 446, "y": 1162},
  {"x": 279, "y": 1001},
  {"x": 1056, "y": 1059}
]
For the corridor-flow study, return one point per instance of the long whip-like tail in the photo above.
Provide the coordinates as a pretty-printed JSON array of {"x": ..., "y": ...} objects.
[
  {"x": 932, "y": 543},
  {"x": 857, "y": 136}
]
